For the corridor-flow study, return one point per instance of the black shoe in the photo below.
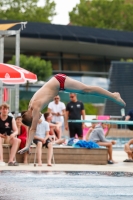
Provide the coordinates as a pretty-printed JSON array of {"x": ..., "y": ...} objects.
[{"x": 110, "y": 162}]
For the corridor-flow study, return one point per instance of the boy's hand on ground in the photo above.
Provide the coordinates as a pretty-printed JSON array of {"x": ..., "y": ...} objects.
[{"x": 25, "y": 149}]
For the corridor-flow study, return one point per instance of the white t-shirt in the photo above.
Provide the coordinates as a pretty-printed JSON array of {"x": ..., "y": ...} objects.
[
  {"x": 57, "y": 108},
  {"x": 42, "y": 128}
]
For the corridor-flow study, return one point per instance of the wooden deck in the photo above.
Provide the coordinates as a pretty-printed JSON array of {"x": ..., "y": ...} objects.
[{"x": 68, "y": 155}]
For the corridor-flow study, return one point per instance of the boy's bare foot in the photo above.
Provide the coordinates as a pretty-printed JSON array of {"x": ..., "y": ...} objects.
[
  {"x": 40, "y": 163},
  {"x": 25, "y": 162},
  {"x": 49, "y": 165},
  {"x": 119, "y": 99}
]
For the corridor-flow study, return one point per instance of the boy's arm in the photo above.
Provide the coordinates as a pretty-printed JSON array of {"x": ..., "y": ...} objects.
[
  {"x": 32, "y": 131},
  {"x": 14, "y": 128},
  {"x": 127, "y": 118},
  {"x": 101, "y": 136},
  {"x": 66, "y": 119}
]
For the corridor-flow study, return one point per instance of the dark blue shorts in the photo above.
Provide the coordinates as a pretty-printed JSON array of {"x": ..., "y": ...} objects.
[{"x": 45, "y": 144}]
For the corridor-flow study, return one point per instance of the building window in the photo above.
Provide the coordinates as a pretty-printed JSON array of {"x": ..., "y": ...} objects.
[
  {"x": 55, "y": 64},
  {"x": 71, "y": 65},
  {"x": 70, "y": 56}
]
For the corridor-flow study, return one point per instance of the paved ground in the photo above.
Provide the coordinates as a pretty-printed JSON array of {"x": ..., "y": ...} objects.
[{"x": 119, "y": 156}]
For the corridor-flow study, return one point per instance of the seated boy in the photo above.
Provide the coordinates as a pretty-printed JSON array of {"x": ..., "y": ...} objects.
[
  {"x": 41, "y": 139},
  {"x": 97, "y": 135},
  {"x": 8, "y": 133}
]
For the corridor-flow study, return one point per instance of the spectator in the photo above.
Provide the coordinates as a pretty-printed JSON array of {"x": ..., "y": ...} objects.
[
  {"x": 97, "y": 135},
  {"x": 74, "y": 110},
  {"x": 54, "y": 128},
  {"x": 57, "y": 108},
  {"x": 129, "y": 117},
  {"x": 8, "y": 133},
  {"x": 93, "y": 125},
  {"x": 22, "y": 135},
  {"x": 41, "y": 139},
  {"x": 129, "y": 150}
]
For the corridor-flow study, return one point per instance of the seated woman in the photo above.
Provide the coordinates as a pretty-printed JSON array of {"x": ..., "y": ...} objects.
[
  {"x": 22, "y": 135},
  {"x": 55, "y": 129}
]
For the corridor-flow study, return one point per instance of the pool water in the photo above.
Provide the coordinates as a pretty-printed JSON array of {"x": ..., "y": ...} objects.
[
  {"x": 28, "y": 185},
  {"x": 120, "y": 142}
]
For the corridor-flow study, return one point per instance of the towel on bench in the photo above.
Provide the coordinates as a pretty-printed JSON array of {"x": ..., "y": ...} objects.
[{"x": 85, "y": 144}]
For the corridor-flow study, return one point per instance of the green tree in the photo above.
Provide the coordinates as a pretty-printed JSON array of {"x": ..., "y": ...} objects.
[
  {"x": 90, "y": 109},
  {"x": 23, "y": 105},
  {"x": 110, "y": 14},
  {"x": 42, "y": 68},
  {"x": 27, "y": 10}
]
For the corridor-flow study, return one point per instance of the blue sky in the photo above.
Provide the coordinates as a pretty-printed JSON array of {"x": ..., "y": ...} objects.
[{"x": 62, "y": 9}]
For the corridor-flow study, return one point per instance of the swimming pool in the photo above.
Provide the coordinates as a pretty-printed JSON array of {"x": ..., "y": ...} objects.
[
  {"x": 120, "y": 142},
  {"x": 41, "y": 185}
]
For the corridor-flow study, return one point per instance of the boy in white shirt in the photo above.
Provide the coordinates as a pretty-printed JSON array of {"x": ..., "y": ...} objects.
[{"x": 41, "y": 139}]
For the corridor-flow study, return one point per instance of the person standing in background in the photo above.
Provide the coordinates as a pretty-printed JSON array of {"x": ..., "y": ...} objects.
[
  {"x": 74, "y": 111},
  {"x": 57, "y": 108},
  {"x": 129, "y": 117}
]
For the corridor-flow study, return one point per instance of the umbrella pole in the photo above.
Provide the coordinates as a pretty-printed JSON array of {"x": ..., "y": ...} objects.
[
  {"x": 1, "y": 91},
  {"x": 17, "y": 64},
  {"x": 1, "y": 60},
  {"x": 1, "y": 49}
]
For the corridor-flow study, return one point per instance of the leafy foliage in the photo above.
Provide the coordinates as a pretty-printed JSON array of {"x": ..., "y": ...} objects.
[
  {"x": 27, "y": 10},
  {"x": 90, "y": 109},
  {"x": 42, "y": 68},
  {"x": 23, "y": 105},
  {"x": 111, "y": 14}
]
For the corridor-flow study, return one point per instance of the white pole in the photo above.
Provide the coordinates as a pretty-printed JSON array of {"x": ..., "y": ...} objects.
[
  {"x": 1, "y": 91},
  {"x": 1, "y": 49},
  {"x": 17, "y": 49},
  {"x": 1, "y": 60}
]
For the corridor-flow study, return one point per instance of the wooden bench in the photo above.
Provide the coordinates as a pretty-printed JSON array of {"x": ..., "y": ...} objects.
[{"x": 69, "y": 155}]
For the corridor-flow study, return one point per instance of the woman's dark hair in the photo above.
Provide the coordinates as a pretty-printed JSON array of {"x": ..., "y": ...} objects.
[{"x": 46, "y": 115}]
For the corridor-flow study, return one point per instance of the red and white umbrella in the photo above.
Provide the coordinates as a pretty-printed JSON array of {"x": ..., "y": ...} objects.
[{"x": 11, "y": 74}]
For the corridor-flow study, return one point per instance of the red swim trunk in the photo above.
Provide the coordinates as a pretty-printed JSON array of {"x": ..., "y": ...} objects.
[{"x": 61, "y": 78}]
